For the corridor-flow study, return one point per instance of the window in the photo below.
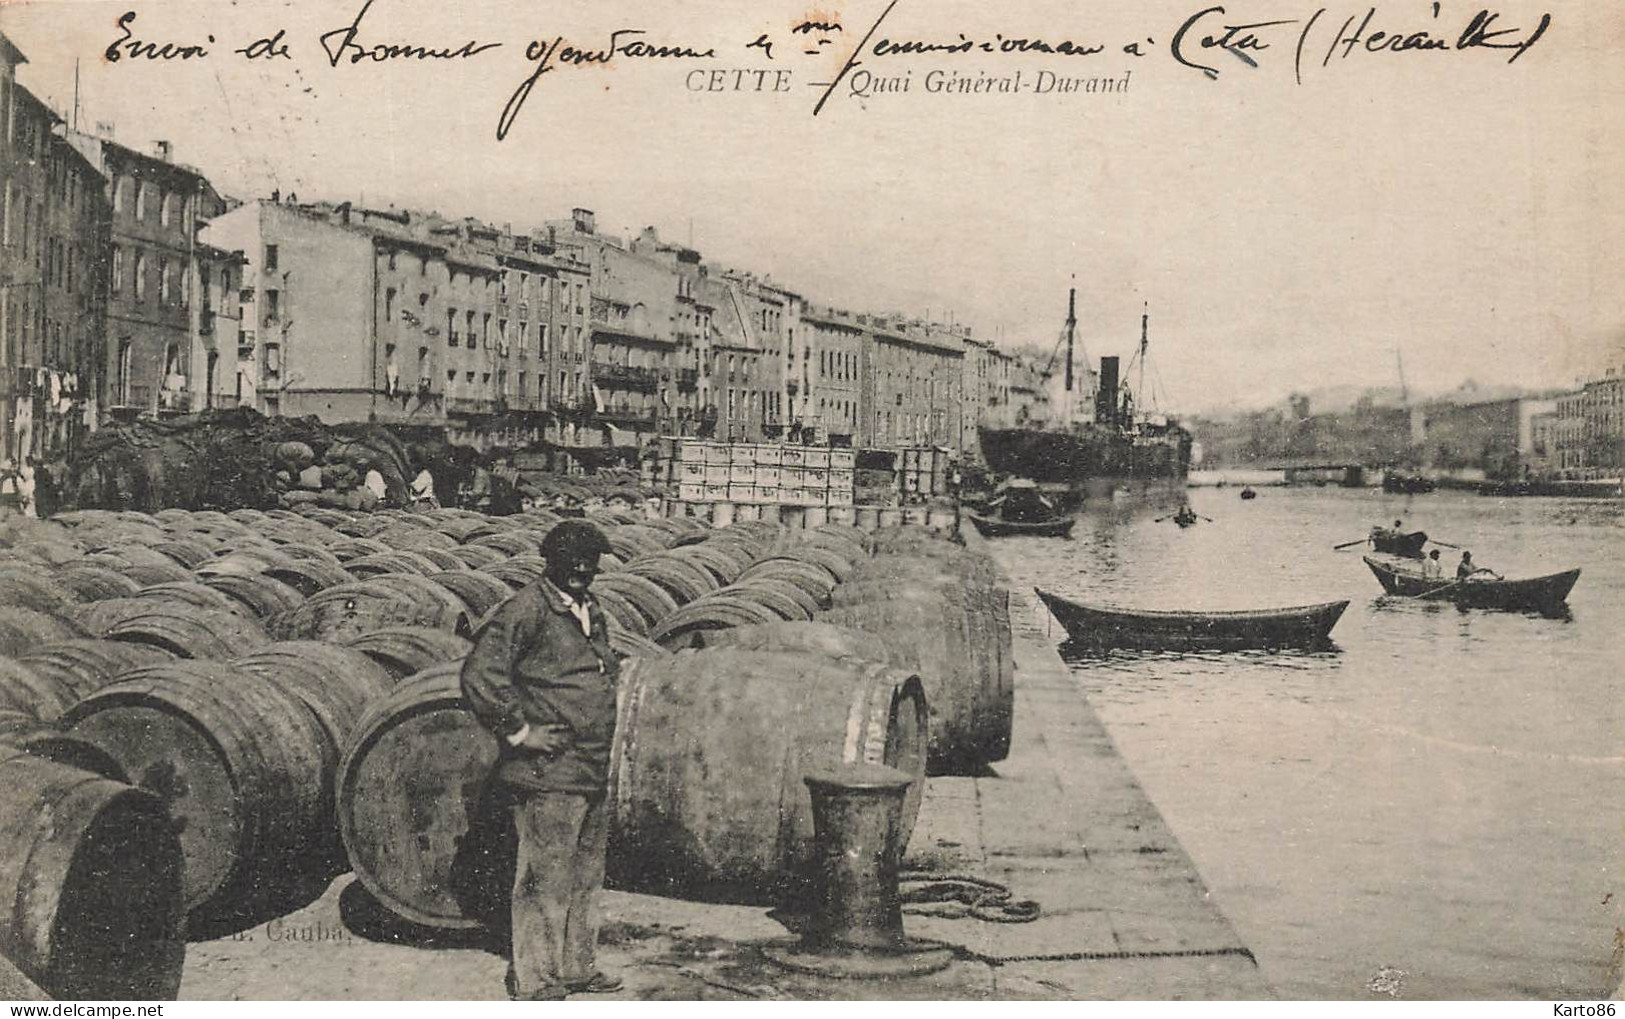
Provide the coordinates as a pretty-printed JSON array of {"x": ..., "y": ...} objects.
[
  {"x": 485, "y": 332},
  {"x": 392, "y": 261},
  {"x": 541, "y": 340},
  {"x": 122, "y": 379},
  {"x": 524, "y": 331},
  {"x": 5, "y": 213},
  {"x": 389, "y": 305},
  {"x": 115, "y": 281},
  {"x": 163, "y": 207},
  {"x": 273, "y": 306},
  {"x": 270, "y": 258},
  {"x": 472, "y": 339},
  {"x": 451, "y": 327},
  {"x": 140, "y": 200},
  {"x": 140, "y": 276},
  {"x": 502, "y": 336}
]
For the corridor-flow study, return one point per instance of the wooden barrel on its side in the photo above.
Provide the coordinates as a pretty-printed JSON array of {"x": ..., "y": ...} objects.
[
  {"x": 90, "y": 879},
  {"x": 711, "y": 748},
  {"x": 405, "y": 651},
  {"x": 974, "y": 624},
  {"x": 706, "y": 776},
  {"x": 88, "y": 665},
  {"x": 411, "y": 786},
  {"x": 29, "y": 735},
  {"x": 37, "y": 694},
  {"x": 237, "y": 762},
  {"x": 336, "y": 683},
  {"x": 22, "y": 630}
]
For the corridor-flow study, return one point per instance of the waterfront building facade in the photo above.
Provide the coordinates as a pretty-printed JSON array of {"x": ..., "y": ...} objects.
[{"x": 53, "y": 232}]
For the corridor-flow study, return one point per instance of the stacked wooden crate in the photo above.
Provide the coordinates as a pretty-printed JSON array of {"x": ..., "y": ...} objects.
[{"x": 755, "y": 473}]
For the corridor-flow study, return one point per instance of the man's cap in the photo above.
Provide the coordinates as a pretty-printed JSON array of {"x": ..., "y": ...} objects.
[{"x": 574, "y": 541}]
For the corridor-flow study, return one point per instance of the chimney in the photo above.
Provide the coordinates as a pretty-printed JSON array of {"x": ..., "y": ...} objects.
[
  {"x": 583, "y": 220},
  {"x": 164, "y": 150}
]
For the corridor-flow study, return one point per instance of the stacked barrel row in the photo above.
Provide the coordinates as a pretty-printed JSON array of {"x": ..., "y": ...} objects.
[{"x": 260, "y": 639}]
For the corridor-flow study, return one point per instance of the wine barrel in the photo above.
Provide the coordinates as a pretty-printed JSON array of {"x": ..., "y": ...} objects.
[
  {"x": 406, "y": 650},
  {"x": 53, "y": 744},
  {"x": 707, "y": 767},
  {"x": 649, "y": 598},
  {"x": 32, "y": 588},
  {"x": 475, "y": 557},
  {"x": 711, "y": 748},
  {"x": 520, "y": 571},
  {"x": 22, "y": 630},
  {"x": 980, "y": 614},
  {"x": 781, "y": 595},
  {"x": 391, "y": 599},
  {"x": 86, "y": 666},
  {"x": 192, "y": 593},
  {"x": 239, "y": 764},
  {"x": 712, "y": 612},
  {"x": 622, "y": 611},
  {"x": 683, "y": 579},
  {"x": 410, "y": 787},
  {"x": 187, "y": 551},
  {"x": 308, "y": 576},
  {"x": 391, "y": 562},
  {"x": 94, "y": 583},
  {"x": 481, "y": 592},
  {"x": 90, "y": 879},
  {"x": 191, "y": 633},
  {"x": 259, "y": 595},
  {"x": 336, "y": 683},
  {"x": 40, "y": 695}
]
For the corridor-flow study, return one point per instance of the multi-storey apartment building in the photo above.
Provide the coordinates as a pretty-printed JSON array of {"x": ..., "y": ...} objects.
[{"x": 53, "y": 231}]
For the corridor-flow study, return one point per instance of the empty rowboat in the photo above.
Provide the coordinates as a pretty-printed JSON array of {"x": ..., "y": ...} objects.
[
  {"x": 1103, "y": 626},
  {"x": 1532, "y": 594}
]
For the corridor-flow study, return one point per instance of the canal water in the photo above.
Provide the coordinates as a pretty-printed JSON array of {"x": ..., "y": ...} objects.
[{"x": 1435, "y": 808}]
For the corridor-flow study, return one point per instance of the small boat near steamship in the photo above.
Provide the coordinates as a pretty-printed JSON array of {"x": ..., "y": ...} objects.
[
  {"x": 1546, "y": 594},
  {"x": 1101, "y": 626},
  {"x": 1000, "y": 527}
]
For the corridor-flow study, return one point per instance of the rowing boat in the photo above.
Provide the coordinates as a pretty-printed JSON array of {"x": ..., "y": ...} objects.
[
  {"x": 1000, "y": 527},
  {"x": 1403, "y": 543},
  {"x": 1147, "y": 629},
  {"x": 1538, "y": 594}
]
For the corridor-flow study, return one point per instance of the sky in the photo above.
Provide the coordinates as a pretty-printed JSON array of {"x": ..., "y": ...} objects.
[{"x": 1446, "y": 207}]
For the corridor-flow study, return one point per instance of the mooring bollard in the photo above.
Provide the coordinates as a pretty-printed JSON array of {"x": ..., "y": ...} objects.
[{"x": 856, "y": 928}]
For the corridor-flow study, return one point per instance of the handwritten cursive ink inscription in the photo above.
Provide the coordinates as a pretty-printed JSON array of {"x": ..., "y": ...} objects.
[
  {"x": 341, "y": 43},
  {"x": 128, "y": 45},
  {"x": 1236, "y": 39},
  {"x": 547, "y": 57}
]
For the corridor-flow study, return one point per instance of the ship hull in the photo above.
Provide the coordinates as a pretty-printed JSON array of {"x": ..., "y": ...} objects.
[{"x": 1092, "y": 454}]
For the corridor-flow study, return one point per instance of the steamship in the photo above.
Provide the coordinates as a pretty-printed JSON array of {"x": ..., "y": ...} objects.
[{"x": 1114, "y": 442}]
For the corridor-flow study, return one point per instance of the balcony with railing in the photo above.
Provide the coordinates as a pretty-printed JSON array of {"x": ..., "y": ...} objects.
[
  {"x": 471, "y": 405},
  {"x": 630, "y": 415},
  {"x": 626, "y": 377}
]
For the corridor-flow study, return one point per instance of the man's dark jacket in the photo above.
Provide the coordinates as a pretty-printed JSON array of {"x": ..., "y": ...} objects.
[{"x": 532, "y": 665}]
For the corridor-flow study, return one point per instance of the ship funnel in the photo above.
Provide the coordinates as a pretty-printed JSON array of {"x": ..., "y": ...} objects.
[{"x": 1106, "y": 395}]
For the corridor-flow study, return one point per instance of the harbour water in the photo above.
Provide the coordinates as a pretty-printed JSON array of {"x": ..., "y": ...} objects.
[{"x": 1433, "y": 809}]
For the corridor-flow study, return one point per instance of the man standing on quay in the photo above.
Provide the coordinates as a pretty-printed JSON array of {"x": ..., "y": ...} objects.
[{"x": 542, "y": 677}]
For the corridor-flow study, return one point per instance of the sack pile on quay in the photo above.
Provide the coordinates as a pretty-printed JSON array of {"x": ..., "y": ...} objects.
[{"x": 221, "y": 712}]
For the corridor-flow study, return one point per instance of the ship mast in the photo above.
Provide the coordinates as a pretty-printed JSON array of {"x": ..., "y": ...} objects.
[
  {"x": 1145, "y": 321},
  {"x": 1071, "y": 331}
]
